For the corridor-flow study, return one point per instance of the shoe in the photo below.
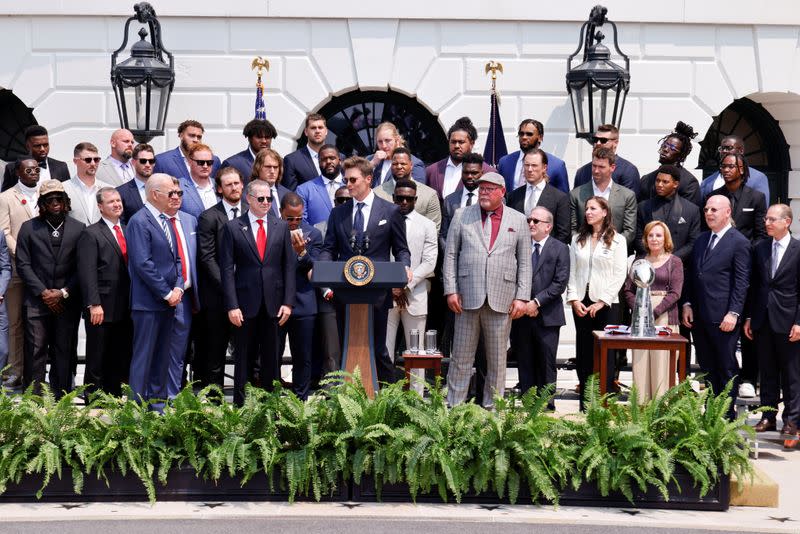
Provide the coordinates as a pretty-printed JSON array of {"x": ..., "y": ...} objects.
[
  {"x": 12, "y": 381},
  {"x": 789, "y": 430},
  {"x": 765, "y": 425},
  {"x": 746, "y": 390}
]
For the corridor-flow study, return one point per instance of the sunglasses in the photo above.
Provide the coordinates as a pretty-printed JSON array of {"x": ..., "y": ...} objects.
[
  {"x": 603, "y": 140},
  {"x": 32, "y": 170},
  {"x": 404, "y": 198},
  {"x": 55, "y": 199},
  {"x": 91, "y": 160},
  {"x": 262, "y": 199},
  {"x": 352, "y": 179},
  {"x": 292, "y": 219},
  {"x": 340, "y": 200},
  {"x": 145, "y": 161},
  {"x": 536, "y": 221},
  {"x": 172, "y": 194},
  {"x": 204, "y": 162}
]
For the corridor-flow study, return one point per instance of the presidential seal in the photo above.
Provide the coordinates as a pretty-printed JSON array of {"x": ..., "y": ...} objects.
[{"x": 359, "y": 270}]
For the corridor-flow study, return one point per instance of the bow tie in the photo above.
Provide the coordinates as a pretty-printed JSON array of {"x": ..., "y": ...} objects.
[{"x": 43, "y": 164}]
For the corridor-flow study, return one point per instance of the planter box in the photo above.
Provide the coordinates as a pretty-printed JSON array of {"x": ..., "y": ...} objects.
[
  {"x": 182, "y": 485},
  {"x": 717, "y": 499}
]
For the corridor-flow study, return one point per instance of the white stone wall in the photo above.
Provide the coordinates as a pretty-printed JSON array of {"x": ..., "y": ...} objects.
[{"x": 59, "y": 65}]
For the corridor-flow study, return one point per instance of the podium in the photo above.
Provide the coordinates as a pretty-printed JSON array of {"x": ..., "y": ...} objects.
[{"x": 359, "y": 283}]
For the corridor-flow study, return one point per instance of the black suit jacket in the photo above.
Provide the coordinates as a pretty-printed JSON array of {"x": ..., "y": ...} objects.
[
  {"x": 449, "y": 206},
  {"x": 551, "y": 198},
  {"x": 298, "y": 167},
  {"x": 689, "y": 187},
  {"x": 681, "y": 217},
  {"x": 550, "y": 281},
  {"x": 243, "y": 161},
  {"x": 58, "y": 171},
  {"x": 748, "y": 211},
  {"x": 103, "y": 273},
  {"x": 210, "y": 228},
  {"x": 774, "y": 301},
  {"x": 40, "y": 268},
  {"x": 247, "y": 281},
  {"x": 131, "y": 200}
]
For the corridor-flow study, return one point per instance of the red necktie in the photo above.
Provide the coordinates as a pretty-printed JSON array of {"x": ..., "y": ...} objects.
[
  {"x": 180, "y": 248},
  {"x": 123, "y": 245},
  {"x": 261, "y": 239}
]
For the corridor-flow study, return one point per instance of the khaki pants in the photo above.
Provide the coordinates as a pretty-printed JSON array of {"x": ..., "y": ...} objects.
[{"x": 651, "y": 367}]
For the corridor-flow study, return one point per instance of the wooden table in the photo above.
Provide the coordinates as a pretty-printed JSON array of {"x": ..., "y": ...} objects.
[
  {"x": 675, "y": 343},
  {"x": 421, "y": 360}
]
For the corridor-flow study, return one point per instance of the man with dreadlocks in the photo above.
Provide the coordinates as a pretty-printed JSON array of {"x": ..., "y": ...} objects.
[
  {"x": 733, "y": 144},
  {"x": 674, "y": 148}
]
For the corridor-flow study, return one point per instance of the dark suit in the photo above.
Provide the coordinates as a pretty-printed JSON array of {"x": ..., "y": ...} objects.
[
  {"x": 689, "y": 187},
  {"x": 417, "y": 171},
  {"x": 171, "y": 162},
  {"x": 556, "y": 201},
  {"x": 155, "y": 269},
  {"x": 715, "y": 287},
  {"x": 450, "y": 204},
  {"x": 104, "y": 281},
  {"x": 41, "y": 265},
  {"x": 131, "y": 199},
  {"x": 243, "y": 161},
  {"x": 625, "y": 174},
  {"x": 681, "y": 217},
  {"x": 58, "y": 171},
  {"x": 298, "y": 168},
  {"x": 258, "y": 288},
  {"x": 773, "y": 306},
  {"x": 556, "y": 171},
  {"x": 535, "y": 339},
  {"x": 386, "y": 229},
  {"x": 747, "y": 211},
  {"x": 434, "y": 175}
]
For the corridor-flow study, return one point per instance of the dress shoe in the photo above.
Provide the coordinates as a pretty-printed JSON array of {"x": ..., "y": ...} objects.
[
  {"x": 789, "y": 429},
  {"x": 765, "y": 425},
  {"x": 12, "y": 381},
  {"x": 746, "y": 390}
]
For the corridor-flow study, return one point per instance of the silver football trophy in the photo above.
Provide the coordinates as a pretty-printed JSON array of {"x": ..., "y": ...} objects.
[{"x": 642, "y": 322}]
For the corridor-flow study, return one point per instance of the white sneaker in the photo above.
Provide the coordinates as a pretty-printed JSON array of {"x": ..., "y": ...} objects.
[{"x": 746, "y": 390}]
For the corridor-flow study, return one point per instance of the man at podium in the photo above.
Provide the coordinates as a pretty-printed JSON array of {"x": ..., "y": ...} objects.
[{"x": 370, "y": 226}]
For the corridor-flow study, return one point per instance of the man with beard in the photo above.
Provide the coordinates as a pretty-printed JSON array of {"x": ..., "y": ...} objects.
[
  {"x": 199, "y": 192},
  {"x": 37, "y": 143},
  {"x": 259, "y": 134},
  {"x": 304, "y": 164},
  {"x": 444, "y": 176},
  {"x": 733, "y": 144},
  {"x": 82, "y": 188},
  {"x": 209, "y": 363},
  {"x": 47, "y": 263},
  {"x": 105, "y": 286},
  {"x": 427, "y": 202},
  {"x": 175, "y": 162},
  {"x": 116, "y": 169},
  {"x": 318, "y": 194},
  {"x": 133, "y": 192},
  {"x": 674, "y": 149},
  {"x": 531, "y": 134},
  {"x": 471, "y": 170}
]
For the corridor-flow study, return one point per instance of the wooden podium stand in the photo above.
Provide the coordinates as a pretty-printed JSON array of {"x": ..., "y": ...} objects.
[{"x": 358, "y": 349}]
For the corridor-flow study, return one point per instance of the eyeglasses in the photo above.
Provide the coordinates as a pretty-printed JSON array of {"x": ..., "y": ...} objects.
[
  {"x": 399, "y": 199},
  {"x": 204, "y": 162},
  {"x": 670, "y": 146},
  {"x": 526, "y": 134},
  {"x": 293, "y": 219},
  {"x": 262, "y": 199},
  {"x": 340, "y": 200},
  {"x": 603, "y": 140},
  {"x": 726, "y": 166},
  {"x": 32, "y": 170},
  {"x": 726, "y": 148},
  {"x": 146, "y": 161},
  {"x": 91, "y": 160},
  {"x": 536, "y": 221},
  {"x": 710, "y": 210},
  {"x": 771, "y": 220}
]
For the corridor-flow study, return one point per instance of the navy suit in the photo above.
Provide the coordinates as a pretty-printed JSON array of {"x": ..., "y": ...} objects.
[
  {"x": 556, "y": 171},
  {"x": 298, "y": 168},
  {"x": 131, "y": 199},
  {"x": 184, "y": 309},
  {"x": 258, "y": 288},
  {"x": 316, "y": 202},
  {"x": 715, "y": 287},
  {"x": 417, "y": 171},
  {"x": 386, "y": 229},
  {"x": 535, "y": 339},
  {"x": 243, "y": 161},
  {"x": 625, "y": 174},
  {"x": 554, "y": 200},
  {"x": 773, "y": 306},
  {"x": 155, "y": 269},
  {"x": 171, "y": 162}
]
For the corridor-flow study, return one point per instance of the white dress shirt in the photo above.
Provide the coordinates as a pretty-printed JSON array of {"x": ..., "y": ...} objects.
[
  {"x": 465, "y": 196},
  {"x": 254, "y": 225},
  {"x": 84, "y": 199},
  {"x": 229, "y": 209},
  {"x": 208, "y": 195},
  {"x": 140, "y": 187},
  {"x": 606, "y": 193},
  {"x": 184, "y": 245},
  {"x": 365, "y": 211},
  {"x": 532, "y": 195},
  {"x": 452, "y": 177},
  {"x": 314, "y": 158},
  {"x": 519, "y": 179},
  {"x": 332, "y": 185},
  {"x": 783, "y": 244}
]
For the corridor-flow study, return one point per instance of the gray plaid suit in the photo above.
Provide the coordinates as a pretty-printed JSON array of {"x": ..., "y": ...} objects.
[{"x": 488, "y": 281}]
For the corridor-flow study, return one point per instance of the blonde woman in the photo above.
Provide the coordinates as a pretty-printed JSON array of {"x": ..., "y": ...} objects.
[
  {"x": 651, "y": 367},
  {"x": 598, "y": 260},
  {"x": 387, "y": 138}
]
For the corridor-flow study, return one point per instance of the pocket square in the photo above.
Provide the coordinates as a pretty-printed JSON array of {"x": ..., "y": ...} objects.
[
  {"x": 511, "y": 229},
  {"x": 244, "y": 228},
  {"x": 681, "y": 221},
  {"x": 383, "y": 221},
  {"x": 748, "y": 209}
]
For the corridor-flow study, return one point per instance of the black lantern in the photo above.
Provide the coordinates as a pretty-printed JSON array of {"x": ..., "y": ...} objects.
[
  {"x": 143, "y": 82},
  {"x": 597, "y": 87}
]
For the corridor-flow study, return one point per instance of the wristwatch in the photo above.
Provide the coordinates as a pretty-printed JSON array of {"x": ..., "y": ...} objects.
[
  {"x": 734, "y": 314},
  {"x": 64, "y": 293}
]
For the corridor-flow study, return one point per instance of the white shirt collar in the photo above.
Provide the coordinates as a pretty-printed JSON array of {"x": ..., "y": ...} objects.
[
  {"x": 368, "y": 200},
  {"x": 111, "y": 224},
  {"x": 722, "y": 232},
  {"x": 228, "y": 206},
  {"x": 541, "y": 243},
  {"x": 139, "y": 182},
  {"x": 153, "y": 211},
  {"x": 252, "y": 217},
  {"x": 311, "y": 152},
  {"x": 784, "y": 241},
  {"x": 451, "y": 164},
  {"x": 598, "y": 191},
  {"x": 538, "y": 187}
]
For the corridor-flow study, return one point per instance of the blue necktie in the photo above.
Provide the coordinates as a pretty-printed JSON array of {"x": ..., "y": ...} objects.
[
  {"x": 709, "y": 247},
  {"x": 535, "y": 256},
  {"x": 167, "y": 231},
  {"x": 358, "y": 223}
]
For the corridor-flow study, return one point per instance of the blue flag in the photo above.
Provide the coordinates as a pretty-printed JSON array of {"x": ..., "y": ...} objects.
[
  {"x": 261, "y": 109},
  {"x": 495, "y": 141}
]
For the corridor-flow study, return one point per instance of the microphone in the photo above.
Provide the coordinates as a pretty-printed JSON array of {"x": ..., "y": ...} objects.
[{"x": 366, "y": 242}]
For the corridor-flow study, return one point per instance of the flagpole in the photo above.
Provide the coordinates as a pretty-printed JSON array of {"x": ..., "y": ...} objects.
[{"x": 260, "y": 64}]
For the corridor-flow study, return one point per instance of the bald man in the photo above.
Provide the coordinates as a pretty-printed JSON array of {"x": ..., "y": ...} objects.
[
  {"x": 714, "y": 292},
  {"x": 116, "y": 169}
]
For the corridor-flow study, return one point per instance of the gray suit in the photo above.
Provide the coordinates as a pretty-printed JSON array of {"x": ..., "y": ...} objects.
[
  {"x": 107, "y": 172},
  {"x": 427, "y": 200},
  {"x": 622, "y": 202},
  {"x": 488, "y": 280}
]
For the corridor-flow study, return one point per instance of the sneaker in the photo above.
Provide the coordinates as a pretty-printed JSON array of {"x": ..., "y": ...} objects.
[{"x": 746, "y": 390}]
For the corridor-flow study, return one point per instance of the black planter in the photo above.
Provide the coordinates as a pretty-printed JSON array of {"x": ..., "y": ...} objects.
[{"x": 182, "y": 485}]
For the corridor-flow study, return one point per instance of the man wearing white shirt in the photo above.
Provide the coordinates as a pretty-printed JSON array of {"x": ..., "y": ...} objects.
[
  {"x": 82, "y": 188},
  {"x": 116, "y": 169},
  {"x": 445, "y": 175}
]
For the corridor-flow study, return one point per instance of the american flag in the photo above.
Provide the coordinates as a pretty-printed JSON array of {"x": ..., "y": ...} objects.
[{"x": 261, "y": 109}]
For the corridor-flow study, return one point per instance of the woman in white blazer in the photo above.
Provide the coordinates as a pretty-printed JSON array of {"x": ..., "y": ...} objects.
[{"x": 598, "y": 261}]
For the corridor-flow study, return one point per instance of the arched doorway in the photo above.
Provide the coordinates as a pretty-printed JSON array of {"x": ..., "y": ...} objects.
[
  {"x": 765, "y": 145},
  {"x": 353, "y": 117},
  {"x": 15, "y": 116}
]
